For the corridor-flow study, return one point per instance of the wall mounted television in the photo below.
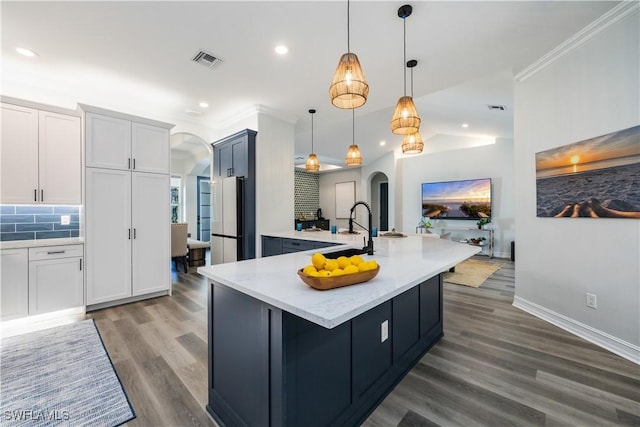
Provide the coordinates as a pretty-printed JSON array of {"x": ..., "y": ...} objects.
[{"x": 465, "y": 199}]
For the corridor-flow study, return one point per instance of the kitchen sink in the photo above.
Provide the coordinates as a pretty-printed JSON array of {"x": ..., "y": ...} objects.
[{"x": 345, "y": 252}]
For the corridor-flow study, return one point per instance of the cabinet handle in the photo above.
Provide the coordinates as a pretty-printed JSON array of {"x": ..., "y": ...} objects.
[
  {"x": 129, "y": 163},
  {"x": 42, "y": 195},
  {"x": 134, "y": 233},
  {"x": 129, "y": 234},
  {"x": 134, "y": 163},
  {"x": 80, "y": 264},
  {"x": 55, "y": 252},
  {"x": 35, "y": 195}
]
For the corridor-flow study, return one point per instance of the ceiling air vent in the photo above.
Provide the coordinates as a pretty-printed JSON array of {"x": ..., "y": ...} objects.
[
  {"x": 206, "y": 59},
  {"x": 497, "y": 107}
]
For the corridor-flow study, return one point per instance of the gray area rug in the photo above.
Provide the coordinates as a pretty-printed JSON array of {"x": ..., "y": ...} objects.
[{"x": 61, "y": 376}]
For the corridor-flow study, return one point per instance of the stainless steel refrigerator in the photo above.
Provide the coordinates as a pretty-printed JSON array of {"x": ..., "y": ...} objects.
[{"x": 227, "y": 224}]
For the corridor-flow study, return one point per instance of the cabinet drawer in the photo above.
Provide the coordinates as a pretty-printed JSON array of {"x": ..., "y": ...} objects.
[
  {"x": 54, "y": 252},
  {"x": 289, "y": 245}
]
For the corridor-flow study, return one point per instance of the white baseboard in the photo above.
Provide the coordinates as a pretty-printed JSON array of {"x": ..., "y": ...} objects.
[
  {"x": 608, "y": 342},
  {"x": 23, "y": 325}
]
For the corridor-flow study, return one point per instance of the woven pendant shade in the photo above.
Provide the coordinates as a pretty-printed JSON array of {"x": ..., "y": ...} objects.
[
  {"x": 354, "y": 158},
  {"x": 349, "y": 88},
  {"x": 405, "y": 118},
  {"x": 312, "y": 165},
  {"x": 412, "y": 143}
]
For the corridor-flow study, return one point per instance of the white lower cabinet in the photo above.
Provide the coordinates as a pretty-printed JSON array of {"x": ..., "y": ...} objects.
[
  {"x": 41, "y": 280},
  {"x": 14, "y": 283},
  {"x": 56, "y": 278},
  {"x": 127, "y": 234}
]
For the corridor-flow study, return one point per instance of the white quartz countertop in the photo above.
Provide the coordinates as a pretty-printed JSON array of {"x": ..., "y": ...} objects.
[
  {"x": 404, "y": 263},
  {"x": 18, "y": 244}
]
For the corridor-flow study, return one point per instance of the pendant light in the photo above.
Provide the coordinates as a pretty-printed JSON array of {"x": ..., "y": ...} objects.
[
  {"x": 349, "y": 88},
  {"x": 412, "y": 142},
  {"x": 354, "y": 158},
  {"x": 405, "y": 118},
  {"x": 312, "y": 165}
]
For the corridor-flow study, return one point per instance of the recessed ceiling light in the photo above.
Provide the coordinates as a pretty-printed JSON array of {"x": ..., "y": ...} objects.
[
  {"x": 282, "y": 50},
  {"x": 204, "y": 104},
  {"x": 465, "y": 125},
  {"x": 26, "y": 52},
  {"x": 382, "y": 143}
]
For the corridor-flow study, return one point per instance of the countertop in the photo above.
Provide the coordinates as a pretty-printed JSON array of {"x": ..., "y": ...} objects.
[
  {"x": 18, "y": 244},
  {"x": 404, "y": 263}
]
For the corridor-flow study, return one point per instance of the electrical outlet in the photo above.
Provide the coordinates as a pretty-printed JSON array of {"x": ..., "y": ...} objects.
[
  {"x": 384, "y": 331},
  {"x": 592, "y": 300},
  {"x": 65, "y": 219}
]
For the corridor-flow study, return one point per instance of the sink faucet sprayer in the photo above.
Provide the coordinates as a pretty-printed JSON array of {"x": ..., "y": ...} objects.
[{"x": 369, "y": 246}]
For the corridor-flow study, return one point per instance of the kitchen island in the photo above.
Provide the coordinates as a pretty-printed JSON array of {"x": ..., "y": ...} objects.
[{"x": 284, "y": 354}]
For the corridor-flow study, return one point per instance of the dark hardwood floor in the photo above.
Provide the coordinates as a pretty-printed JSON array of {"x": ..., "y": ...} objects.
[{"x": 495, "y": 366}]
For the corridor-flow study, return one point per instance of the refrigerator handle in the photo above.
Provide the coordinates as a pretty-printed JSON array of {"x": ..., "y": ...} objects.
[{"x": 240, "y": 218}]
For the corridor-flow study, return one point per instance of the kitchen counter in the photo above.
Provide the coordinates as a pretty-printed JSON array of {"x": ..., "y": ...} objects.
[
  {"x": 18, "y": 244},
  {"x": 404, "y": 263},
  {"x": 284, "y": 354}
]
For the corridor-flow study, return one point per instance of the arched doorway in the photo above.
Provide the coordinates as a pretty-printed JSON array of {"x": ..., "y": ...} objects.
[
  {"x": 190, "y": 171},
  {"x": 380, "y": 200}
]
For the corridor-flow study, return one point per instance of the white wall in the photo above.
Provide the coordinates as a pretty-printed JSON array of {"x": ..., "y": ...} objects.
[
  {"x": 493, "y": 161},
  {"x": 589, "y": 91},
  {"x": 328, "y": 181},
  {"x": 275, "y": 176},
  {"x": 386, "y": 165}
]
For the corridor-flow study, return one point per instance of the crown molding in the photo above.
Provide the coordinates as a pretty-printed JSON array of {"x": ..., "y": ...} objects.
[
  {"x": 277, "y": 114},
  {"x": 610, "y": 18},
  {"x": 253, "y": 110}
]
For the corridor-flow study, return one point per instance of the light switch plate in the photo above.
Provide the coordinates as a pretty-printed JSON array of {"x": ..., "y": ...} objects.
[
  {"x": 65, "y": 219},
  {"x": 384, "y": 331}
]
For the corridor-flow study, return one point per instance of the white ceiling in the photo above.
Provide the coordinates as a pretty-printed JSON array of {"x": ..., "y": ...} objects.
[{"x": 136, "y": 57}]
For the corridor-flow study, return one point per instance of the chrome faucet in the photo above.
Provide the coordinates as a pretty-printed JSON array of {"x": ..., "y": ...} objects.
[{"x": 369, "y": 246}]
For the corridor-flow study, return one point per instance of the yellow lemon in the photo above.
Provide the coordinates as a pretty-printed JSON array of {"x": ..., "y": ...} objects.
[
  {"x": 372, "y": 264},
  {"x": 324, "y": 273},
  {"x": 309, "y": 269},
  {"x": 350, "y": 269},
  {"x": 343, "y": 261},
  {"x": 331, "y": 265},
  {"x": 318, "y": 260},
  {"x": 364, "y": 266},
  {"x": 337, "y": 272},
  {"x": 355, "y": 259}
]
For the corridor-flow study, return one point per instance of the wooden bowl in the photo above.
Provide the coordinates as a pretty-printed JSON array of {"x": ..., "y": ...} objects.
[{"x": 324, "y": 283}]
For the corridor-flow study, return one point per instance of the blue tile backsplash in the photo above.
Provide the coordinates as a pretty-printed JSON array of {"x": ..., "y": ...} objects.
[{"x": 22, "y": 222}]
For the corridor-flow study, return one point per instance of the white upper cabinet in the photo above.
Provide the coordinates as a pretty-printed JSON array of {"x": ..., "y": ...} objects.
[
  {"x": 150, "y": 148},
  {"x": 116, "y": 143},
  {"x": 60, "y": 159},
  {"x": 19, "y": 154},
  {"x": 108, "y": 142},
  {"x": 41, "y": 157}
]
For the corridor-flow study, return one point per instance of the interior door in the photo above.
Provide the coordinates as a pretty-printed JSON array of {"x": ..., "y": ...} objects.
[
  {"x": 384, "y": 206},
  {"x": 204, "y": 210}
]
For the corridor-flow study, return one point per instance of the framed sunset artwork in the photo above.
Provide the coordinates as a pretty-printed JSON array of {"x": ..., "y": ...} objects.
[{"x": 594, "y": 178}]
